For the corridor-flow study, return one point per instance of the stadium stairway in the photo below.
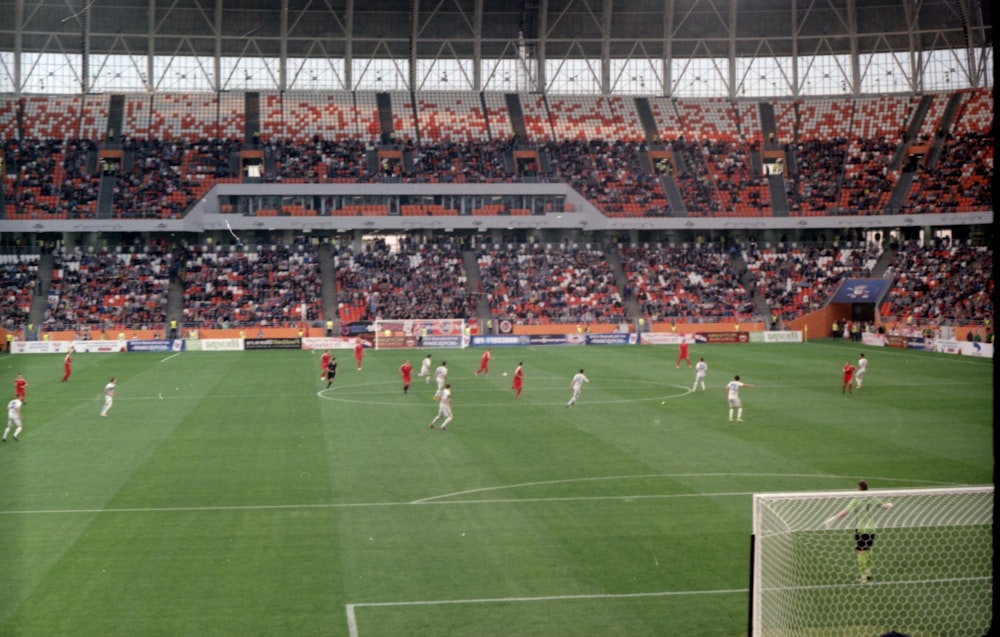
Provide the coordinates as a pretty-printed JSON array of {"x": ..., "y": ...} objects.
[
  {"x": 882, "y": 265},
  {"x": 516, "y": 114},
  {"x": 621, "y": 280},
  {"x": 674, "y": 197},
  {"x": 475, "y": 285},
  {"x": 646, "y": 118},
  {"x": 40, "y": 297},
  {"x": 739, "y": 264},
  {"x": 175, "y": 304},
  {"x": 328, "y": 286}
]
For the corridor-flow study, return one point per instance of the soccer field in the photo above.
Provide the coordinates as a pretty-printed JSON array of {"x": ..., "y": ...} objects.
[{"x": 231, "y": 494}]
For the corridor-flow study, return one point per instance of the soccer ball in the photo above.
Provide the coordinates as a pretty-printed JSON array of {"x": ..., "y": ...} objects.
[
  {"x": 388, "y": 332},
  {"x": 505, "y": 373}
]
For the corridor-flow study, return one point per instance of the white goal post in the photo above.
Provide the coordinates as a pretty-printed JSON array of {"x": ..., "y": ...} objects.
[
  {"x": 864, "y": 563},
  {"x": 400, "y": 333}
]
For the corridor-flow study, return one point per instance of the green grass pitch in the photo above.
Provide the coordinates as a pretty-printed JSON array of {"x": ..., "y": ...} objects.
[{"x": 249, "y": 501}]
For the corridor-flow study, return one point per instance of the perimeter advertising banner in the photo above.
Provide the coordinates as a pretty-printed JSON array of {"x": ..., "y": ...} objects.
[
  {"x": 162, "y": 345},
  {"x": 220, "y": 344},
  {"x": 329, "y": 342},
  {"x": 39, "y": 347},
  {"x": 100, "y": 346},
  {"x": 612, "y": 339},
  {"x": 498, "y": 340},
  {"x": 272, "y": 343},
  {"x": 663, "y": 338}
]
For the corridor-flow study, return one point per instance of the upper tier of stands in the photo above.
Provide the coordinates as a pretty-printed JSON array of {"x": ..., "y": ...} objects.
[{"x": 845, "y": 152}]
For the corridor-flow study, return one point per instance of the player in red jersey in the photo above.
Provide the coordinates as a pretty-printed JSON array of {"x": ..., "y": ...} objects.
[
  {"x": 20, "y": 385},
  {"x": 67, "y": 365},
  {"x": 484, "y": 363},
  {"x": 682, "y": 354},
  {"x": 405, "y": 370},
  {"x": 518, "y": 383},
  {"x": 359, "y": 349},
  {"x": 323, "y": 362},
  {"x": 848, "y": 384}
]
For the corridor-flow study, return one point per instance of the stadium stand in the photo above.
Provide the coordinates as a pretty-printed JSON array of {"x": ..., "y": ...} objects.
[
  {"x": 844, "y": 150},
  {"x": 264, "y": 285},
  {"x": 552, "y": 284},
  {"x": 416, "y": 280},
  {"x": 796, "y": 279},
  {"x": 18, "y": 281},
  {"x": 115, "y": 289},
  {"x": 944, "y": 284},
  {"x": 678, "y": 282}
]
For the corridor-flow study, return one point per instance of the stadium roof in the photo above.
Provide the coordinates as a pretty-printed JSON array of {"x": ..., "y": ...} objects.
[{"x": 463, "y": 28}]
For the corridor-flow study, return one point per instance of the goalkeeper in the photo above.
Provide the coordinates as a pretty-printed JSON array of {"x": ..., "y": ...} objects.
[{"x": 864, "y": 527}]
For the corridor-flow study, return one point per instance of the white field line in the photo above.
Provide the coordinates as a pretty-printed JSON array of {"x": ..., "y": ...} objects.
[
  {"x": 440, "y": 499},
  {"x": 352, "y": 621}
]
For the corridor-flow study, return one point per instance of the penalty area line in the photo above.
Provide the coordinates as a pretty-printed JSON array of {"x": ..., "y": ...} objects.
[
  {"x": 352, "y": 620},
  {"x": 169, "y": 357}
]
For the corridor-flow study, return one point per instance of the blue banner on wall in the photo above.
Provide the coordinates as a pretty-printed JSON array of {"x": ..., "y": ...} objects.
[
  {"x": 498, "y": 340},
  {"x": 610, "y": 339},
  {"x": 861, "y": 291}
]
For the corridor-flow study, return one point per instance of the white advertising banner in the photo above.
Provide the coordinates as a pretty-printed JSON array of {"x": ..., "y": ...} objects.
[
  {"x": 100, "y": 346},
  {"x": 39, "y": 347},
  {"x": 219, "y": 344},
  {"x": 329, "y": 342}
]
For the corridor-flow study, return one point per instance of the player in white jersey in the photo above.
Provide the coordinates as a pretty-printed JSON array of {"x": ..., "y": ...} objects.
[
  {"x": 13, "y": 419},
  {"x": 109, "y": 396},
  {"x": 700, "y": 369},
  {"x": 425, "y": 369},
  {"x": 441, "y": 376},
  {"x": 576, "y": 385},
  {"x": 444, "y": 408},
  {"x": 859, "y": 373},
  {"x": 733, "y": 394}
]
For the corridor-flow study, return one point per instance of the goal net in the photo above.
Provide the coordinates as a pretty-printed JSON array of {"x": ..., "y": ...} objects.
[
  {"x": 928, "y": 570},
  {"x": 398, "y": 333}
]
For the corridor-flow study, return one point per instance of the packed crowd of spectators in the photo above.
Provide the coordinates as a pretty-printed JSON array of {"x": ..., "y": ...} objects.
[
  {"x": 408, "y": 280},
  {"x": 813, "y": 187},
  {"x": 696, "y": 186},
  {"x": 18, "y": 281},
  {"x": 945, "y": 283},
  {"x": 611, "y": 175},
  {"x": 153, "y": 185},
  {"x": 868, "y": 180},
  {"x": 61, "y": 178},
  {"x": 471, "y": 163},
  {"x": 961, "y": 179},
  {"x": 264, "y": 285},
  {"x": 523, "y": 283},
  {"x": 50, "y": 178},
  {"x": 128, "y": 288},
  {"x": 320, "y": 161},
  {"x": 797, "y": 280},
  {"x": 533, "y": 284},
  {"x": 686, "y": 283}
]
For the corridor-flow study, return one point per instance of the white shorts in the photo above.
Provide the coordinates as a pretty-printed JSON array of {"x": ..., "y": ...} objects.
[{"x": 735, "y": 402}]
